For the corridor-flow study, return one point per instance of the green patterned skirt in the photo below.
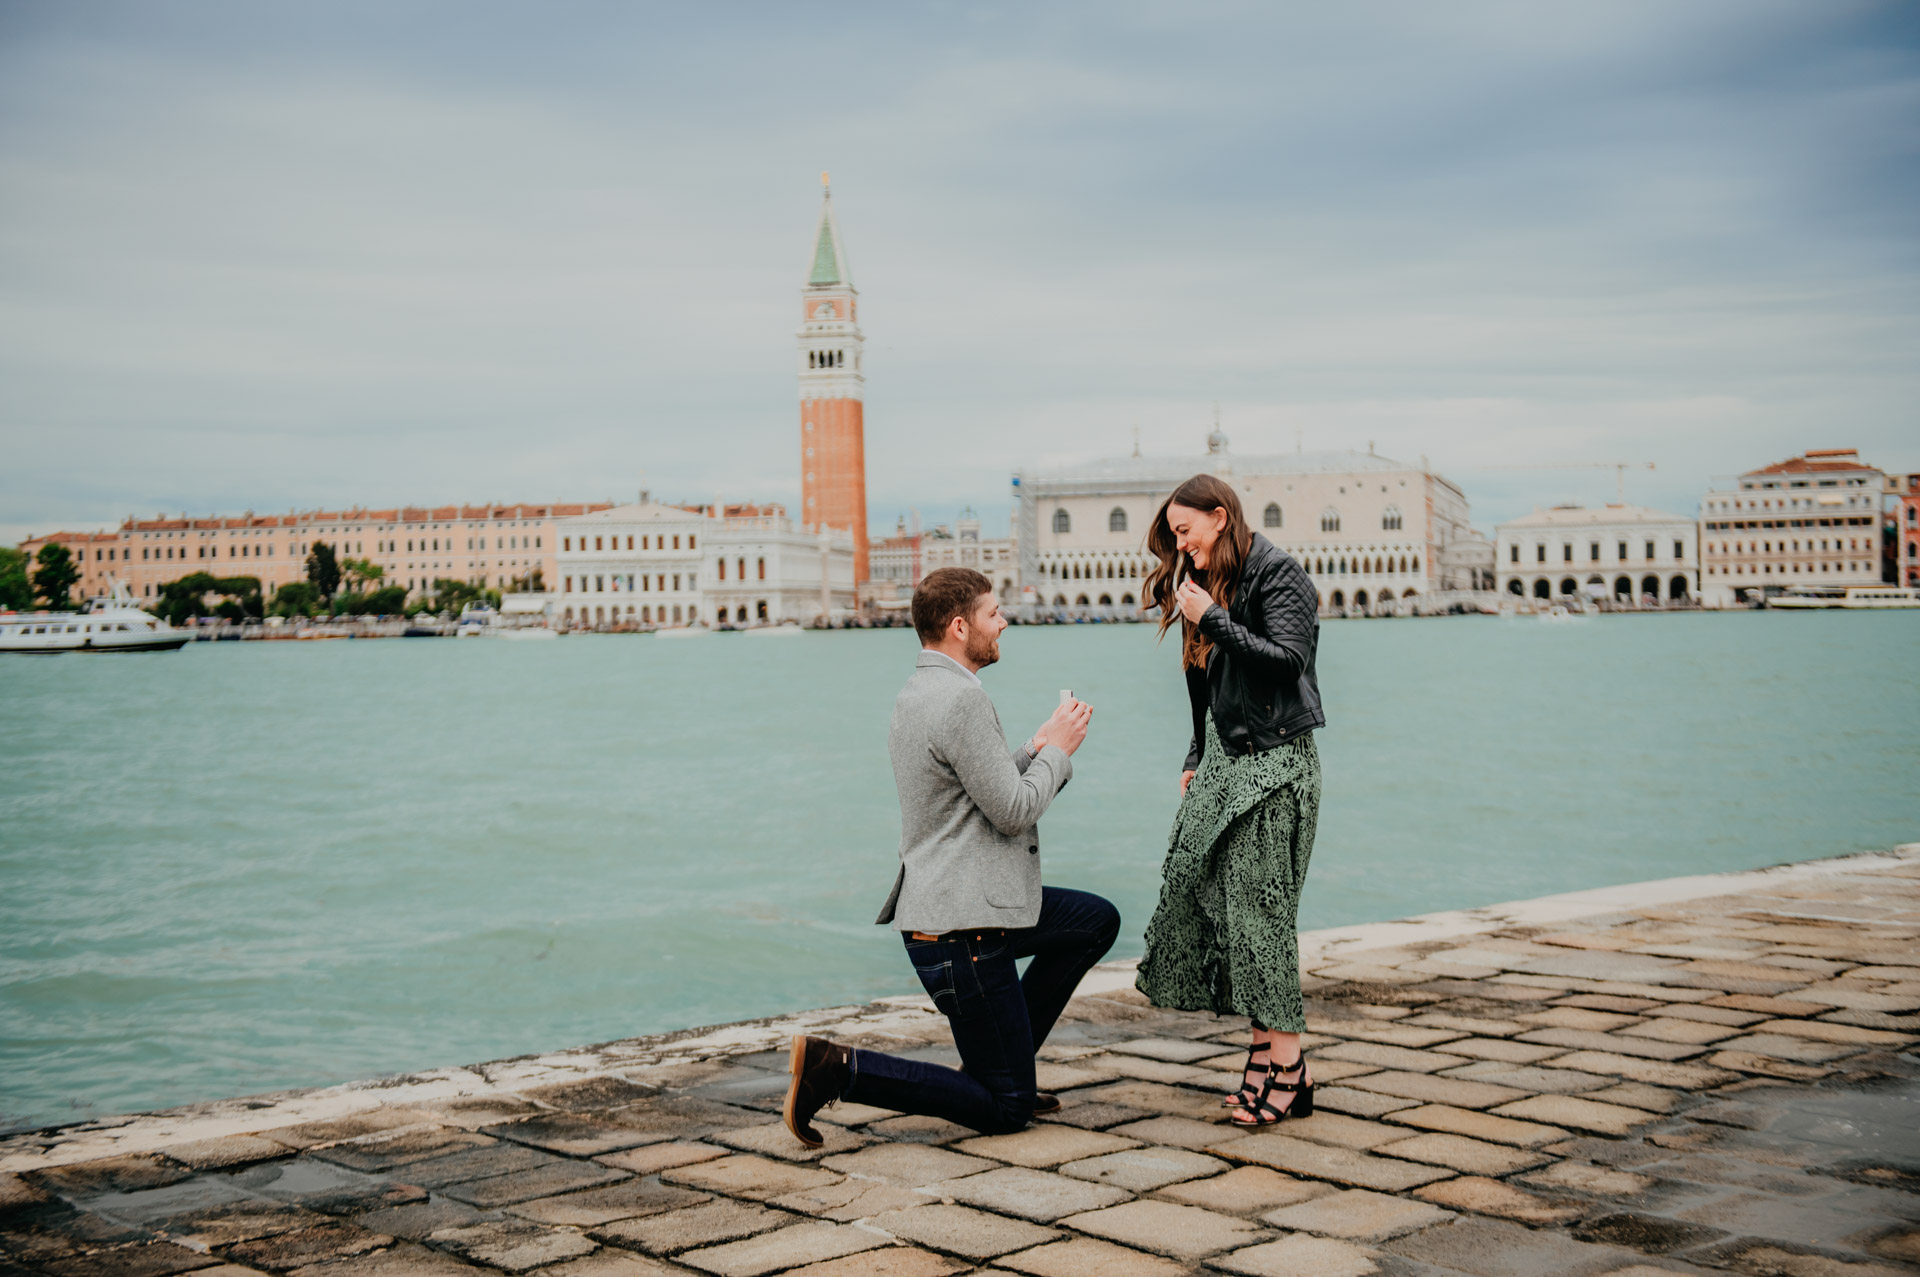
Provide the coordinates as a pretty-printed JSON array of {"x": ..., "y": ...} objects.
[{"x": 1223, "y": 937}]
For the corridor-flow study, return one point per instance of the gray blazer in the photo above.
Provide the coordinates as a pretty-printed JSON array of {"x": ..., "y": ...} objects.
[{"x": 969, "y": 807}]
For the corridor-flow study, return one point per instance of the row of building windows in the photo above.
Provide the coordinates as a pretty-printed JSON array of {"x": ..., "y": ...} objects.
[
  {"x": 826, "y": 359},
  {"x": 657, "y": 543},
  {"x": 1622, "y": 587},
  {"x": 625, "y": 581},
  {"x": 645, "y": 614},
  {"x": 1593, "y": 552},
  {"x": 1749, "y": 525},
  {"x": 1768, "y": 569},
  {"x": 1272, "y": 517},
  {"x": 1769, "y": 547},
  {"x": 1388, "y": 566}
]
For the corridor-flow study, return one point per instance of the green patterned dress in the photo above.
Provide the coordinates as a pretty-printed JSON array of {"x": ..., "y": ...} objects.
[{"x": 1223, "y": 937}]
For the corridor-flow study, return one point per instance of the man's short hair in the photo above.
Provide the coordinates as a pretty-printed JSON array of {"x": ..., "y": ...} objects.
[{"x": 943, "y": 594}]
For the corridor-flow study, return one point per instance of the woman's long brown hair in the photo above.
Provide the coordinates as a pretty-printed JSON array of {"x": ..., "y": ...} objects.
[{"x": 1220, "y": 578}]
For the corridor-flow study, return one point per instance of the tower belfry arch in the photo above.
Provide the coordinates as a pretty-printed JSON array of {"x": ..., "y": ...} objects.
[{"x": 833, "y": 458}]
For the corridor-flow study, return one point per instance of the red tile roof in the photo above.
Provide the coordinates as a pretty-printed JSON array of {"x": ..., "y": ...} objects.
[{"x": 1819, "y": 461}]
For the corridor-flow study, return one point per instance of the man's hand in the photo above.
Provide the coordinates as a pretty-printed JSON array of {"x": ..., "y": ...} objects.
[
  {"x": 1193, "y": 601},
  {"x": 1067, "y": 728},
  {"x": 1186, "y": 778}
]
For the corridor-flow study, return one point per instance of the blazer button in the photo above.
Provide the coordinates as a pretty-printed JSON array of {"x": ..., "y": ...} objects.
[{"x": 1034, "y": 850}]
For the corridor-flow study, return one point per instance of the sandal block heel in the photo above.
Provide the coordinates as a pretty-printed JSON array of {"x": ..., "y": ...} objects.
[{"x": 1261, "y": 1111}]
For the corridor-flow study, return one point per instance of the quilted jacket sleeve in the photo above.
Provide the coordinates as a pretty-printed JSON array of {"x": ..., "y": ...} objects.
[{"x": 1288, "y": 612}]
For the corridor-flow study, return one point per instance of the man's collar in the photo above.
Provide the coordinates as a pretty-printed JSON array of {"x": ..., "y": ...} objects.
[{"x": 930, "y": 659}]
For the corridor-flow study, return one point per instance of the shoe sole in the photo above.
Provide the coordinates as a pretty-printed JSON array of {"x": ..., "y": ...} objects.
[{"x": 795, "y": 1057}]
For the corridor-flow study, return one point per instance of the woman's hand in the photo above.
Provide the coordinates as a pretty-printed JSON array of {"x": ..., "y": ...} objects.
[
  {"x": 1193, "y": 601},
  {"x": 1186, "y": 778}
]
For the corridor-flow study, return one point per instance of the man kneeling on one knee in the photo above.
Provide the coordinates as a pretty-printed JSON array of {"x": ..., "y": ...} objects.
[{"x": 967, "y": 901}]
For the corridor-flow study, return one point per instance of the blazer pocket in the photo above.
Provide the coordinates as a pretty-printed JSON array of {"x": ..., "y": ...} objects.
[{"x": 1005, "y": 881}]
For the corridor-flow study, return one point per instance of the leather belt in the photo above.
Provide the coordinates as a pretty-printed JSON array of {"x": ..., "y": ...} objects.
[{"x": 981, "y": 934}]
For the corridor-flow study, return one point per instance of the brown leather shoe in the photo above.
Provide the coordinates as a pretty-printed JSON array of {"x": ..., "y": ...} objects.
[
  {"x": 821, "y": 1070},
  {"x": 1044, "y": 1104}
]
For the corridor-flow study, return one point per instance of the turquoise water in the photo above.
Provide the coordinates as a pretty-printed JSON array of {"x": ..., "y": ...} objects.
[{"x": 250, "y": 866}]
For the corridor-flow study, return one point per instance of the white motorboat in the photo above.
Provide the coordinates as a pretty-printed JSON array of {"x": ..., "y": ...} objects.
[
  {"x": 111, "y": 624},
  {"x": 1851, "y": 597},
  {"x": 680, "y": 631},
  {"x": 1556, "y": 613},
  {"x": 522, "y": 633},
  {"x": 785, "y": 629},
  {"x": 475, "y": 620}
]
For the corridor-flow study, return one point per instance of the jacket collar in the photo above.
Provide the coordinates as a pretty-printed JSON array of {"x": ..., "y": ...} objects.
[{"x": 932, "y": 660}]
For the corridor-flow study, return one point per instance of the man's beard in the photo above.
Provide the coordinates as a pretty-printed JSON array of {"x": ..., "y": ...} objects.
[{"x": 982, "y": 650}]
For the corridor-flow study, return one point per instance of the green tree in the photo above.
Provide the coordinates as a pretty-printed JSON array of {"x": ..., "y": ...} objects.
[
  {"x": 295, "y": 598},
  {"x": 16, "y": 591},
  {"x": 533, "y": 582},
  {"x": 180, "y": 601},
  {"x": 323, "y": 570},
  {"x": 388, "y": 600},
  {"x": 186, "y": 598},
  {"x": 450, "y": 595},
  {"x": 56, "y": 577},
  {"x": 360, "y": 573}
]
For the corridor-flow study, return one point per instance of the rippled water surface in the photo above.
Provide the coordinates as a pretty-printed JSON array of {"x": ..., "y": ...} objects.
[{"x": 251, "y": 866}]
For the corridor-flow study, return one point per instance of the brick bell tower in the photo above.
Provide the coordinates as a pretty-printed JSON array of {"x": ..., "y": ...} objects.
[{"x": 833, "y": 451}]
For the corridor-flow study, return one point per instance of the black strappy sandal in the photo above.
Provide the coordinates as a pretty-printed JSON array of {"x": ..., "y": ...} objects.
[
  {"x": 1264, "y": 1114},
  {"x": 1248, "y": 1091}
]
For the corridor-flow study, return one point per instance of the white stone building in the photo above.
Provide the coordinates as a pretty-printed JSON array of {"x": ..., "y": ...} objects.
[
  {"x": 1810, "y": 520},
  {"x": 631, "y": 565},
  {"x": 1369, "y": 530},
  {"x": 651, "y": 564},
  {"x": 1627, "y": 552},
  {"x": 1467, "y": 563},
  {"x": 961, "y": 546},
  {"x": 762, "y": 570}
]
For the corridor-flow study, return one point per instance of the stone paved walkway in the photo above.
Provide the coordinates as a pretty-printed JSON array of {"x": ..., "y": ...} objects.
[{"x": 1683, "y": 1082}]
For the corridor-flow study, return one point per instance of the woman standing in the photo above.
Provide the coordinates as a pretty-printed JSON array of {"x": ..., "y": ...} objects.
[{"x": 1223, "y": 937}]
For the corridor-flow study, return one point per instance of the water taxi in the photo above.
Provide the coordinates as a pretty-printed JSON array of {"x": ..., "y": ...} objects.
[
  {"x": 110, "y": 624},
  {"x": 1849, "y": 596}
]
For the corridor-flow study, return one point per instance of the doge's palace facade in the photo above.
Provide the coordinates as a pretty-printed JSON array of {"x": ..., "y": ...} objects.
[{"x": 1368, "y": 529}]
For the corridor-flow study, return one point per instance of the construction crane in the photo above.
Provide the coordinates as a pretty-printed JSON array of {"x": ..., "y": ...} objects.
[{"x": 1619, "y": 469}]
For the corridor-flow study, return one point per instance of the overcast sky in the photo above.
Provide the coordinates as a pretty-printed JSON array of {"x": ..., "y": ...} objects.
[{"x": 275, "y": 255}]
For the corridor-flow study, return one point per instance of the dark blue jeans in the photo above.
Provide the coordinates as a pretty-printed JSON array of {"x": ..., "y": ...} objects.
[{"x": 999, "y": 1017}]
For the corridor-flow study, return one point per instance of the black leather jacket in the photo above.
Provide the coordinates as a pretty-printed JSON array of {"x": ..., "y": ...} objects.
[{"x": 1259, "y": 679}]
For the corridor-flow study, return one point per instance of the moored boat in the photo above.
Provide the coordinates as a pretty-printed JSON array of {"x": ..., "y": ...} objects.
[
  {"x": 111, "y": 624},
  {"x": 1851, "y": 597}
]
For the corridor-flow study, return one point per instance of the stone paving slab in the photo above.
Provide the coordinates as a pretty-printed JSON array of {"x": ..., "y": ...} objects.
[
  {"x": 909, "y": 1165},
  {"x": 1358, "y": 1215},
  {"x": 1168, "y": 1228},
  {"x": 889, "y": 1261},
  {"x": 754, "y": 1178},
  {"x": 1339, "y": 1165},
  {"x": 1301, "y": 1256},
  {"x": 850, "y": 1200},
  {"x": 1141, "y": 1170},
  {"x": 695, "y": 1226},
  {"x": 1086, "y": 1257},
  {"x": 963, "y": 1231},
  {"x": 783, "y": 1249},
  {"x": 1045, "y": 1145},
  {"x": 513, "y": 1245},
  {"x": 1040, "y": 1196}
]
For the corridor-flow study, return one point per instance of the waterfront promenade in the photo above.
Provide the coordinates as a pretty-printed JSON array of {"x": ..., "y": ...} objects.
[{"x": 1707, "y": 1074}]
